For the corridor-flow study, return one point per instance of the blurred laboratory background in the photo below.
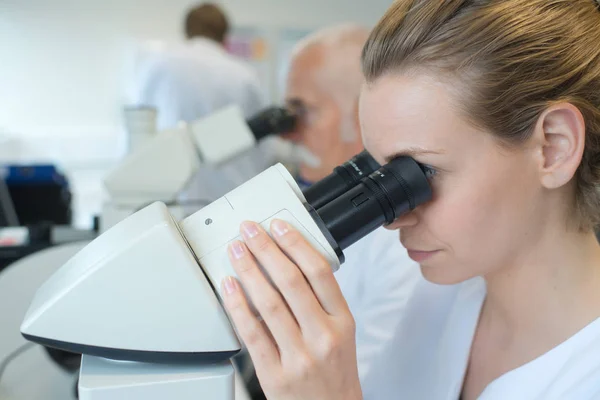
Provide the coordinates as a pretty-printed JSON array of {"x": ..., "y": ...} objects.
[
  {"x": 69, "y": 68},
  {"x": 71, "y": 115}
]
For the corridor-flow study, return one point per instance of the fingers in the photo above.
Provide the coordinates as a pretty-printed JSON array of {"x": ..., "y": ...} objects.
[
  {"x": 314, "y": 267},
  {"x": 285, "y": 275},
  {"x": 265, "y": 298},
  {"x": 262, "y": 349}
]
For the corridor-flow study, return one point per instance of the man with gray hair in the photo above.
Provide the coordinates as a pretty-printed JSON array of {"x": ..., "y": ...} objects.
[{"x": 323, "y": 85}]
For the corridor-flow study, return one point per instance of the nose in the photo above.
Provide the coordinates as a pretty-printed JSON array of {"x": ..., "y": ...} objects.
[{"x": 409, "y": 219}]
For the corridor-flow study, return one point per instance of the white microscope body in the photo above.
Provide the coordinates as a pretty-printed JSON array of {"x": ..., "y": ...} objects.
[
  {"x": 142, "y": 302},
  {"x": 163, "y": 164}
]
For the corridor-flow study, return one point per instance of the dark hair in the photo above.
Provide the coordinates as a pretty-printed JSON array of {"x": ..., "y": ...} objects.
[
  {"x": 207, "y": 20},
  {"x": 513, "y": 58}
]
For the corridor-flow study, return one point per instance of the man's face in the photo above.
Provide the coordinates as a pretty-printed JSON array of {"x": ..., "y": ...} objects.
[{"x": 318, "y": 129}]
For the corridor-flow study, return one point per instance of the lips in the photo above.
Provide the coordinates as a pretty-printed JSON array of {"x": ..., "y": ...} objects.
[
  {"x": 414, "y": 253},
  {"x": 420, "y": 255}
]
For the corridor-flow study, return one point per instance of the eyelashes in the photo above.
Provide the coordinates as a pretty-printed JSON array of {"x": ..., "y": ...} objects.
[{"x": 429, "y": 171}]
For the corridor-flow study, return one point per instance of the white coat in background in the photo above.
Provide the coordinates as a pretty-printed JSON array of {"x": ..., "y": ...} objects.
[
  {"x": 190, "y": 81},
  {"x": 429, "y": 354},
  {"x": 194, "y": 79}
]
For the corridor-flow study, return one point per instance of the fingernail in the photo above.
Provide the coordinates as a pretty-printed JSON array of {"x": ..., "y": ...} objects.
[
  {"x": 229, "y": 285},
  {"x": 249, "y": 230},
  {"x": 237, "y": 250},
  {"x": 279, "y": 227}
]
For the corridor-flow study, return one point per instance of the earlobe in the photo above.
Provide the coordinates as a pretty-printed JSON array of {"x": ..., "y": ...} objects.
[{"x": 563, "y": 129}]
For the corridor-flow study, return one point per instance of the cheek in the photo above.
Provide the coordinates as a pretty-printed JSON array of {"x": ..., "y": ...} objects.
[
  {"x": 322, "y": 130},
  {"x": 481, "y": 212},
  {"x": 458, "y": 211}
]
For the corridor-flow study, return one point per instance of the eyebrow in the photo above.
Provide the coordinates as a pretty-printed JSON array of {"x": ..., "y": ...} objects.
[{"x": 412, "y": 152}]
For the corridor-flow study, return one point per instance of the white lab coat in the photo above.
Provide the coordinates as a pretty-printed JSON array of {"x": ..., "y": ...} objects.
[
  {"x": 194, "y": 79},
  {"x": 190, "y": 81},
  {"x": 428, "y": 356}
]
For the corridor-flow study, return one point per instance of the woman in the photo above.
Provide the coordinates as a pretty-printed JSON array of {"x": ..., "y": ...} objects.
[{"x": 502, "y": 99}]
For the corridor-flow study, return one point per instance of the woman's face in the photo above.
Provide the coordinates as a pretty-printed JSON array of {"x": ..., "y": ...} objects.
[{"x": 487, "y": 205}]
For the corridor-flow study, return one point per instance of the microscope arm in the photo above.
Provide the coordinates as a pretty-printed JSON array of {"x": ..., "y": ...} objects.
[{"x": 161, "y": 168}]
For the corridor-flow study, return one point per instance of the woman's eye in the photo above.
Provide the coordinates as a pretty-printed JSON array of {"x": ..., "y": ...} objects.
[{"x": 429, "y": 171}]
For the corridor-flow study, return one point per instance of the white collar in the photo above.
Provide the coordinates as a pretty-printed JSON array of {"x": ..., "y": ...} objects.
[{"x": 204, "y": 41}]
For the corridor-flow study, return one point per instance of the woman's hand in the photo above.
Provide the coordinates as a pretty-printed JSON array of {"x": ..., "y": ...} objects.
[{"x": 305, "y": 349}]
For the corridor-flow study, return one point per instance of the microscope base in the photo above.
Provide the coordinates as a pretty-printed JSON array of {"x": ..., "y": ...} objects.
[{"x": 102, "y": 379}]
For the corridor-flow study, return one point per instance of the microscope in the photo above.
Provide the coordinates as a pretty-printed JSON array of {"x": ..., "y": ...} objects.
[
  {"x": 141, "y": 302},
  {"x": 161, "y": 166}
]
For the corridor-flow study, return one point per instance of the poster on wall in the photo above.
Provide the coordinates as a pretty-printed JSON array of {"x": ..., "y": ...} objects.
[{"x": 269, "y": 52}]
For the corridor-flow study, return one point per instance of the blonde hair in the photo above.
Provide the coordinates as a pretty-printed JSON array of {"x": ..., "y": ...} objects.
[{"x": 515, "y": 57}]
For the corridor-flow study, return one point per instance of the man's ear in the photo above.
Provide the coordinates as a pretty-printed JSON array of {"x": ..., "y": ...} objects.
[{"x": 560, "y": 135}]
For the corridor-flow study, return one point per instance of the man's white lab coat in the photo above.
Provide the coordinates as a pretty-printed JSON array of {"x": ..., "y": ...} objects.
[
  {"x": 377, "y": 281},
  {"x": 194, "y": 79}
]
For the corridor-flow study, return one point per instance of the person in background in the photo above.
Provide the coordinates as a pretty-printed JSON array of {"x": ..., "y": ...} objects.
[
  {"x": 323, "y": 85},
  {"x": 193, "y": 79},
  {"x": 198, "y": 77}
]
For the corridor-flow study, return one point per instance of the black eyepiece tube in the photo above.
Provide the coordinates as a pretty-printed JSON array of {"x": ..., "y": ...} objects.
[
  {"x": 272, "y": 121},
  {"x": 342, "y": 179},
  {"x": 394, "y": 189}
]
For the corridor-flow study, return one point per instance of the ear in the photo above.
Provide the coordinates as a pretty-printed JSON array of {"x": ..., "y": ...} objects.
[{"x": 561, "y": 133}]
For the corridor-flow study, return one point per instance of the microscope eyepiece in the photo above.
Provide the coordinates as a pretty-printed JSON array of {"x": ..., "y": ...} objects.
[
  {"x": 391, "y": 191},
  {"x": 272, "y": 121},
  {"x": 342, "y": 179}
]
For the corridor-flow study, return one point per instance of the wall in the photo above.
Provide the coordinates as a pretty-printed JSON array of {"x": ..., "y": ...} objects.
[{"x": 64, "y": 64}]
